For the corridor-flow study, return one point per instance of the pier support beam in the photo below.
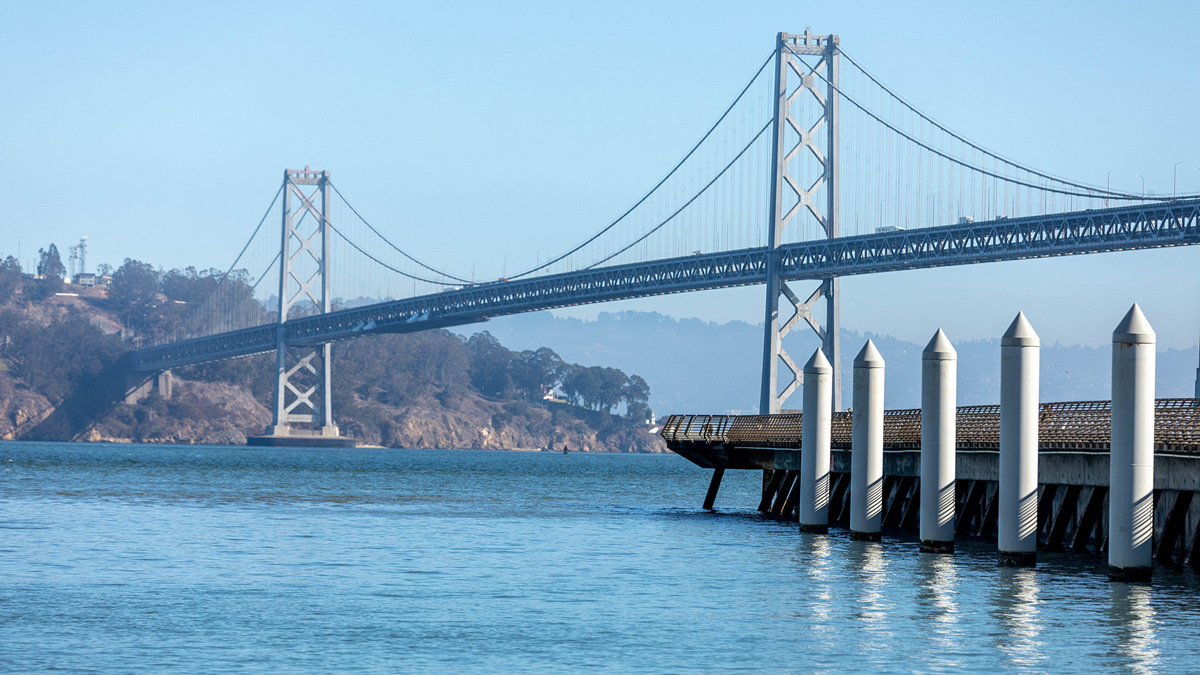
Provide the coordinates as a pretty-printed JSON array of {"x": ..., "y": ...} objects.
[
  {"x": 1131, "y": 464},
  {"x": 814, "y": 444},
  {"x": 939, "y": 382},
  {"x": 866, "y": 445},
  {"x": 1020, "y": 358},
  {"x": 713, "y": 485}
]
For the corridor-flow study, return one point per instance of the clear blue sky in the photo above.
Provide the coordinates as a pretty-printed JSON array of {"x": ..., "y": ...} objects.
[{"x": 487, "y": 133}]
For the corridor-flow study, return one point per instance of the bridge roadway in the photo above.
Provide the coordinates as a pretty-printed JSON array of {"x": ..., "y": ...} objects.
[{"x": 1175, "y": 223}]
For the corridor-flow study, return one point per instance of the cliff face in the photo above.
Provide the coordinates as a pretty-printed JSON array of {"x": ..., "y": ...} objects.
[
  {"x": 472, "y": 421},
  {"x": 199, "y": 412},
  {"x": 20, "y": 408}
]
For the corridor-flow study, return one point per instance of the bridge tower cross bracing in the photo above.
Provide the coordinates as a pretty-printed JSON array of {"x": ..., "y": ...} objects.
[
  {"x": 788, "y": 48},
  {"x": 302, "y": 387}
]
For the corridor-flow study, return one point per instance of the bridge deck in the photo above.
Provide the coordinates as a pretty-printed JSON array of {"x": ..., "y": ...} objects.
[{"x": 1175, "y": 223}]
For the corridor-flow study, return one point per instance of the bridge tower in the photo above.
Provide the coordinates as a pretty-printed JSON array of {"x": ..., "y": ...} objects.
[
  {"x": 302, "y": 372},
  {"x": 789, "y": 69}
]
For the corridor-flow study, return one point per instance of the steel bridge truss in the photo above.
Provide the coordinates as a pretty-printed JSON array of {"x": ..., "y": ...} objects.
[
  {"x": 784, "y": 181},
  {"x": 303, "y": 372},
  {"x": 1082, "y": 232}
]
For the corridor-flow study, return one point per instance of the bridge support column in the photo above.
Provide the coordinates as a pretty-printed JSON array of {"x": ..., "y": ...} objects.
[
  {"x": 814, "y": 444},
  {"x": 137, "y": 387},
  {"x": 140, "y": 385},
  {"x": 303, "y": 374},
  {"x": 939, "y": 382},
  {"x": 1020, "y": 351},
  {"x": 1131, "y": 462},
  {"x": 793, "y": 198},
  {"x": 866, "y": 445},
  {"x": 163, "y": 381}
]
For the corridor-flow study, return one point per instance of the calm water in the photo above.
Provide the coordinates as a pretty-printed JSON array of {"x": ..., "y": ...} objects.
[{"x": 115, "y": 558}]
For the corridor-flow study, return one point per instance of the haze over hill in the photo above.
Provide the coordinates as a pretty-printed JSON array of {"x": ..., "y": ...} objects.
[{"x": 698, "y": 366}]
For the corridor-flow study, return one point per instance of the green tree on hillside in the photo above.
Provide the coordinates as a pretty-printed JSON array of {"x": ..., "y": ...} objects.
[
  {"x": 637, "y": 396},
  {"x": 536, "y": 372},
  {"x": 499, "y": 372},
  {"x": 10, "y": 277},
  {"x": 189, "y": 285},
  {"x": 52, "y": 360},
  {"x": 50, "y": 264},
  {"x": 134, "y": 293},
  {"x": 491, "y": 366},
  {"x": 51, "y": 269},
  {"x": 596, "y": 387}
]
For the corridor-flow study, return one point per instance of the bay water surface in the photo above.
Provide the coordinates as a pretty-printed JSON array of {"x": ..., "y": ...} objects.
[{"x": 116, "y": 558}]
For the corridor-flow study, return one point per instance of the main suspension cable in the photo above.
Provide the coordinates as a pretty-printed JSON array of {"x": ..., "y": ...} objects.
[
  {"x": 382, "y": 263},
  {"x": 200, "y": 305},
  {"x": 1091, "y": 194},
  {"x": 972, "y": 144},
  {"x": 389, "y": 242},
  {"x": 687, "y": 203},
  {"x": 657, "y": 185}
]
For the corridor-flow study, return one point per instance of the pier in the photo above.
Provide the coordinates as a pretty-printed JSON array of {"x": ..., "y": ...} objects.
[
  {"x": 1072, "y": 477},
  {"x": 1116, "y": 477}
]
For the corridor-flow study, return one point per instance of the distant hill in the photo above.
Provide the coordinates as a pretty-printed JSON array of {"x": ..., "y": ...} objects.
[
  {"x": 63, "y": 377},
  {"x": 698, "y": 366}
]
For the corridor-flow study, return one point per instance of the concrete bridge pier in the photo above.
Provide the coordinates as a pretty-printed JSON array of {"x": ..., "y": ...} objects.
[
  {"x": 1131, "y": 463},
  {"x": 814, "y": 444},
  {"x": 939, "y": 382},
  {"x": 1020, "y": 357},
  {"x": 138, "y": 386},
  {"x": 866, "y": 446}
]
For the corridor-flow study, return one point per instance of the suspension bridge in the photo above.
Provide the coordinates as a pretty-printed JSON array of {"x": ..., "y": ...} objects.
[{"x": 815, "y": 171}]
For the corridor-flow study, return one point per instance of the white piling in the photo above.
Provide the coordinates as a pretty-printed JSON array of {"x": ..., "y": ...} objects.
[
  {"x": 939, "y": 380},
  {"x": 1020, "y": 356},
  {"x": 866, "y": 445},
  {"x": 814, "y": 444},
  {"x": 1131, "y": 462}
]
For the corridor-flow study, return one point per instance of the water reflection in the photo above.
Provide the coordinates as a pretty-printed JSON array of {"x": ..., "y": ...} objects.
[
  {"x": 1015, "y": 604},
  {"x": 815, "y": 552},
  {"x": 1135, "y": 628},
  {"x": 868, "y": 567},
  {"x": 937, "y": 600}
]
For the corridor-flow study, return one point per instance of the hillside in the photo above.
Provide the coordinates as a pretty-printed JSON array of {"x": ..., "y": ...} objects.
[
  {"x": 696, "y": 366},
  {"x": 60, "y": 379}
]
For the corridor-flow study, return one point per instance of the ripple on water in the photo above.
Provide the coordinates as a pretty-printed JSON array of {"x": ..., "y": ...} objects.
[{"x": 118, "y": 558}]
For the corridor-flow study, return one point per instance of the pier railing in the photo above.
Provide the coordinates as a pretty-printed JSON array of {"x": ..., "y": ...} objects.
[{"x": 1076, "y": 425}]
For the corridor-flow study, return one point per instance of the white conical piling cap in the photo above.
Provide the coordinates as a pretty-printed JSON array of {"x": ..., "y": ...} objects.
[
  {"x": 818, "y": 364},
  {"x": 939, "y": 349},
  {"x": 1020, "y": 334},
  {"x": 869, "y": 357},
  {"x": 1134, "y": 328}
]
